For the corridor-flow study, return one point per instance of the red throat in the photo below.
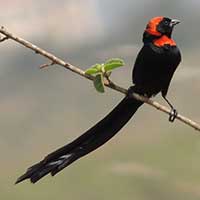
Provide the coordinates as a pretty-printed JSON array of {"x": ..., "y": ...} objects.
[{"x": 164, "y": 40}]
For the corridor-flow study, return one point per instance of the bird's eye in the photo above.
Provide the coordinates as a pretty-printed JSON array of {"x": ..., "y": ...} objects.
[{"x": 166, "y": 23}]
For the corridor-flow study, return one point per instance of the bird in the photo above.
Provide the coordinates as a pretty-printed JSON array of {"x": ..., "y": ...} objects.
[{"x": 153, "y": 70}]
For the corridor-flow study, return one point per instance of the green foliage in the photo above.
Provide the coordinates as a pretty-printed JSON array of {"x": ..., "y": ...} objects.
[
  {"x": 113, "y": 63},
  {"x": 98, "y": 83},
  {"x": 94, "y": 69},
  {"x": 103, "y": 70}
]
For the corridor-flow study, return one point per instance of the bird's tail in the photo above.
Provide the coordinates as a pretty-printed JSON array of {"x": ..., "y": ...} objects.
[{"x": 96, "y": 136}]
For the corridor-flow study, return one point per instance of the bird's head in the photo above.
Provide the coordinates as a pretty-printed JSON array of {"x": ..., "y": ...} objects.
[{"x": 159, "y": 26}]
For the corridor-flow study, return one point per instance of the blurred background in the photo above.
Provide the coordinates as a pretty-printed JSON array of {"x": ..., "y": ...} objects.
[{"x": 41, "y": 110}]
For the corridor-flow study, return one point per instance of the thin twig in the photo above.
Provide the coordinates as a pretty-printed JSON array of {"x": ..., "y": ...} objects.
[
  {"x": 56, "y": 60},
  {"x": 2, "y": 39},
  {"x": 47, "y": 65}
]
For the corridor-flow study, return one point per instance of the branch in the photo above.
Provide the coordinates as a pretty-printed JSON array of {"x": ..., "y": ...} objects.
[
  {"x": 58, "y": 61},
  {"x": 4, "y": 38}
]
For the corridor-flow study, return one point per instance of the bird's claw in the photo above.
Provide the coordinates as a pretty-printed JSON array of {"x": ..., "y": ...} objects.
[
  {"x": 130, "y": 91},
  {"x": 173, "y": 114}
]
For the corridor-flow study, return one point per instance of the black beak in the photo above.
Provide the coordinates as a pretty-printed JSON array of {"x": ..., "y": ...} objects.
[{"x": 174, "y": 22}]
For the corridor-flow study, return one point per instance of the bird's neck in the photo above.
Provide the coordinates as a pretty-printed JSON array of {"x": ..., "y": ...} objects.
[
  {"x": 149, "y": 38},
  {"x": 158, "y": 40}
]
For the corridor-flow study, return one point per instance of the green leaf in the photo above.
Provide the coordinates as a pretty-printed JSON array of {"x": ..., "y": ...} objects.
[
  {"x": 108, "y": 74},
  {"x": 94, "y": 69},
  {"x": 113, "y": 63},
  {"x": 98, "y": 83},
  {"x": 91, "y": 71},
  {"x": 103, "y": 70}
]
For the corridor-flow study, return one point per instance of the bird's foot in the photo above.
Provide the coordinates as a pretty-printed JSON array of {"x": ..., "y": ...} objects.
[
  {"x": 130, "y": 91},
  {"x": 173, "y": 114}
]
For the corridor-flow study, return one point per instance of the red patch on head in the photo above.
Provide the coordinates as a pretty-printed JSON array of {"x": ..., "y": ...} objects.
[
  {"x": 163, "y": 41},
  {"x": 152, "y": 26}
]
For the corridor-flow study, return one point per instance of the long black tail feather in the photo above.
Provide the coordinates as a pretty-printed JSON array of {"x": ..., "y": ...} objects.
[{"x": 96, "y": 136}]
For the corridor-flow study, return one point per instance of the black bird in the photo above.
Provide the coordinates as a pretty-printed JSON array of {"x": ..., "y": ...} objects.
[{"x": 152, "y": 73}]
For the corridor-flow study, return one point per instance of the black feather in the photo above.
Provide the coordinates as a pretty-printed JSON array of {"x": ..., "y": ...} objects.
[{"x": 86, "y": 143}]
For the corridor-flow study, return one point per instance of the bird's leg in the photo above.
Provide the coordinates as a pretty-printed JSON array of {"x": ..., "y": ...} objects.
[{"x": 173, "y": 113}]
